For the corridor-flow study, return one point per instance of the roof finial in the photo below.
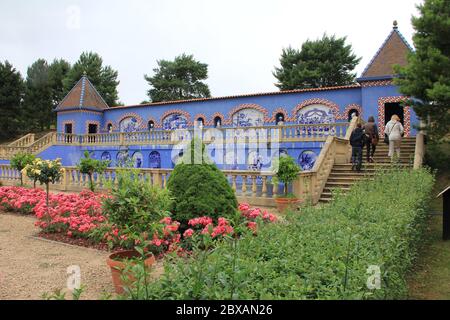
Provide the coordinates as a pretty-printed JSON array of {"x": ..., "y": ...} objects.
[
  {"x": 84, "y": 73},
  {"x": 395, "y": 24}
]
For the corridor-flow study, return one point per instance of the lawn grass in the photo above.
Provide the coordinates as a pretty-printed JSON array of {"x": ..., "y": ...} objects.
[{"x": 430, "y": 278}]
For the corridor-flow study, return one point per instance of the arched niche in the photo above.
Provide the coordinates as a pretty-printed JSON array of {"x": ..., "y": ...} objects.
[
  {"x": 315, "y": 114},
  {"x": 248, "y": 117},
  {"x": 154, "y": 160},
  {"x": 175, "y": 121},
  {"x": 129, "y": 124}
]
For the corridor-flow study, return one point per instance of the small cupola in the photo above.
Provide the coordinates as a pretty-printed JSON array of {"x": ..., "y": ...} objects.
[{"x": 83, "y": 96}]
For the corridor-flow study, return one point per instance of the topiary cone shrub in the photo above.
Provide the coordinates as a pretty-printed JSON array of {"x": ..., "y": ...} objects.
[{"x": 200, "y": 189}]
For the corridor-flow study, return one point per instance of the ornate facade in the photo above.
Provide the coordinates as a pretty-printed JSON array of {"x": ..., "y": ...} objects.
[{"x": 374, "y": 94}]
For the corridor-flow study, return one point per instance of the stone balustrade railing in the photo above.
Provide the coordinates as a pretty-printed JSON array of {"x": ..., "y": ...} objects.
[
  {"x": 288, "y": 133},
  {"x": 25, "y": 141},
  {"x": 254, "y": 187}
]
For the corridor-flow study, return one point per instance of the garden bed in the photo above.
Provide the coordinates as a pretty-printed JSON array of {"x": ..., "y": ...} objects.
[
  {"x": 324, "y": 253},
  {"x": 78, "y": 219},
  {"x": 81, "y": 242}
]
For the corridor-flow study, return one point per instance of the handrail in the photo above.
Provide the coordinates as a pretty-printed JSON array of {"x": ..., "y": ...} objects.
[
  {"x": 285, "y": 133},
  {"x": 24, "y": 141},
  {"x": 335, "y": 150},
  {"x": 249, "y": 186}
]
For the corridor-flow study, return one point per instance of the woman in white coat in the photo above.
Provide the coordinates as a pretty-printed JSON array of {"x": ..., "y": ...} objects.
[{"x": 394, "y": 129}]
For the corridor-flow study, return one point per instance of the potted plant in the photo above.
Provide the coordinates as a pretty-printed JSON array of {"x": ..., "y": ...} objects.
[
  {"x": 123, "y": 263},
  {"x": 133, "y": 211},
  {"x": 286, "y": 172}
]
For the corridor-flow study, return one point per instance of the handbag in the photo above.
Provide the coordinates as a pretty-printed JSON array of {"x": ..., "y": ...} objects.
[
  {"x": 386, "y": 138},
  {"x": 374, "y": 140}
]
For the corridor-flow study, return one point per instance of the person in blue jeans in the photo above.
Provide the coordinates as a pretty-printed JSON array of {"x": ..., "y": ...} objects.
[{"x": 357, "y": 143}]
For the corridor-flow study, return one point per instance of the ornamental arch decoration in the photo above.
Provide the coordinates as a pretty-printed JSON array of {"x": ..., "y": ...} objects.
[
  {"x": 139, "y": 123},
  {"x": 175, "y": 117},
  {"x": 248, "y": 114},
  {"x": 325, "y": 111},
  {"x": 406, "y": 113}
]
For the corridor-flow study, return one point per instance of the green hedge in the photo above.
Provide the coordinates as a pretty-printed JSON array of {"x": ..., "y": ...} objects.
[{"x": 321, "y": 253}]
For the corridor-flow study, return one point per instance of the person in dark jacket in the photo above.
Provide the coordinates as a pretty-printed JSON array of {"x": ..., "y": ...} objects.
[
  {"x": 371, "y": 130},
  {"x": 357, "y": 142}
]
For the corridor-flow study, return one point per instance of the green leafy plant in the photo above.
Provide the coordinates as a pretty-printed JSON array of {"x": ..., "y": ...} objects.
[
  {"x": 323, "y": 254},
  {"x": 19, "y": 161},
  {"x": 199, "y": 188},
  {"x": 58, "y": 294},
  {"x": 286, "y": 171},
  {"x": 134, "y": 205},
  {"x": 91, "y": 166}
]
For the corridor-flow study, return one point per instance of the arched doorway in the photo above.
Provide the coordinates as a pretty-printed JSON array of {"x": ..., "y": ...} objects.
[
  {"x": 351, "y": 114},
  {"x": 217, "y": 122},
  {"x": 279, "y": 119},
  {"x": 392, "y": 108}
]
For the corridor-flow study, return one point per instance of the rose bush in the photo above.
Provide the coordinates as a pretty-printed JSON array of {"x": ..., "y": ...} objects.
[{"x": 82, "y": 216}]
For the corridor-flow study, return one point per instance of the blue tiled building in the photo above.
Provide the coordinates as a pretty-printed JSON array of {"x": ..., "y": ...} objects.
[{"x": 84, "y": 112}]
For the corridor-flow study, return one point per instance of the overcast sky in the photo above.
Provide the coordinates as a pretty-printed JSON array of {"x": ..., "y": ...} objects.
[{"x": 240, "y": 40}]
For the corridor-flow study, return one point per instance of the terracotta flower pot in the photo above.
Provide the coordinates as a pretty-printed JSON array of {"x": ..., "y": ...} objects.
[
  {"x": 284, "y": 204},
  {"x": 116, "y": 262}
]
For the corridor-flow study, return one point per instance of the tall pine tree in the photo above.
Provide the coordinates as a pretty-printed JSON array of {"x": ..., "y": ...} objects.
[
  {"x": 321, "y": 63},
  {"x": 180, "y": 79},
  {"x": 11, "y": 94},
  {"x": 104, "y": 78},
  {"x": 37, "y": 108},
  {"x": 427, "y": 75}
]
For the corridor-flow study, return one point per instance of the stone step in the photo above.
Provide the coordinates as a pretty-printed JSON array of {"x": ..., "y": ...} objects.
[
  {"x": 330, "y": 189},
  {"x": 338, "y": 174},
  {"x": 368, "y": 166},
  {"x": 349, "y": 178}
]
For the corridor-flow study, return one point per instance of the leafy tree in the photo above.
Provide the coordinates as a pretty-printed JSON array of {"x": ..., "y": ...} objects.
[
  {"x": 46, "y": 172},
  {"x": 38, "y": 103},
  {"x": 11, "y": 94},
  {"x": 91, "y": 166},
  {"x": 427, "y": 75},
  {"x": 180, "y": 79},
  {"x": 104, "y": 78},
  {"x": 321, "y": 63},
  {"x": 19, "y": 161}
]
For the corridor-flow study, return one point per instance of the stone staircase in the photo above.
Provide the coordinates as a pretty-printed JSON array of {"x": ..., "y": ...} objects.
[
  {"x": 342, "y": 177},
  {"x": 27, "y": 144}
]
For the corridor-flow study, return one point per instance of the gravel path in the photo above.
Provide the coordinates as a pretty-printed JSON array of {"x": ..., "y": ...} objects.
[{"x": 30, "y": 267}]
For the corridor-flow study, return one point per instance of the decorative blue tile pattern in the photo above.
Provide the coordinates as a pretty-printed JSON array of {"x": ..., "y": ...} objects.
[
  {"x": 106, "y": 156},
  {"x": 315, "y": 114},
  {"x": 307, "y": 159},
  {"x": 248, "y": 118},
  {"x": 122, "y": 158},
  {"x": 138, "y": 159},
  {"x": 154, "y": 160},
  {"x": 129, "y": 125},
  {"x": 175, "y": 121}
]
